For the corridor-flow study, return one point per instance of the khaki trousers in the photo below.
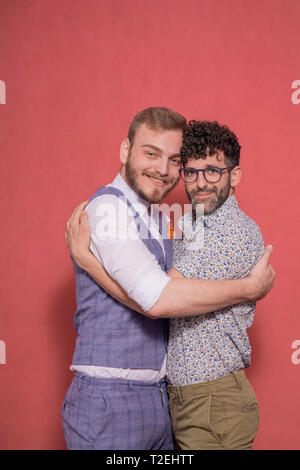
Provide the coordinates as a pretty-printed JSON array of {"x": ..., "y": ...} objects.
[{"x": 220, "y": 414}]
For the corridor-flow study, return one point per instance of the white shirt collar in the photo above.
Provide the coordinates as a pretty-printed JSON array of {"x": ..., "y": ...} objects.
[{"x": 139, "y": 203}]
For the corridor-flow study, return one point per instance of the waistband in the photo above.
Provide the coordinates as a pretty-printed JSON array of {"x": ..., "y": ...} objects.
[
  {"x": 88, "y": 383},
  {"x": 235, "y": 378}
]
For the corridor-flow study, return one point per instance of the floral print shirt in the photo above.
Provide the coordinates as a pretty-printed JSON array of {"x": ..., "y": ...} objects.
[{"x": 206, "y": 347}]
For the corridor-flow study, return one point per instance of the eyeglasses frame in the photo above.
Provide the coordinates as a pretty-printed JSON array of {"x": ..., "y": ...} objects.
[{"x": 229, "y": 168}]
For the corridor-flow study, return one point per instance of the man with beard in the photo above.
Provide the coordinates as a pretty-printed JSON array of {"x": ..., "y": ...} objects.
[
  {"x": 117, "y": 399},
  {"x": 212, "y": 404}
]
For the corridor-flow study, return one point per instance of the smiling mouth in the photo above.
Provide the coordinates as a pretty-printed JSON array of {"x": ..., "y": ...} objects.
[
  {"x": 157, "y": 180},
  {"x": 203, "y": 194}
]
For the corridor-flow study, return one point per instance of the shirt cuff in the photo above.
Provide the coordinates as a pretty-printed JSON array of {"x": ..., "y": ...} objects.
[{"x": 153, "y": 283}]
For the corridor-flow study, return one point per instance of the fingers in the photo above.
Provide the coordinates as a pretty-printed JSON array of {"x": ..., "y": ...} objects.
[
  {"x": 67, "y": 240},
  {"x": 76, "y": 214},
  {"x": 84, "y": 221},
  {"x": 267, "y": 255},
  {"x": 75, "y": 217},
  {"x": 268, "y": 252},
  {"x": 273, "y": 274},
  {"x": 83, "y": 216}
]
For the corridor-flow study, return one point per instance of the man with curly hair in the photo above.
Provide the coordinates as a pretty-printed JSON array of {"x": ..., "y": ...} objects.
[
  {"x": 117, "y": 399},
  {"x": 212, "y": 404}
]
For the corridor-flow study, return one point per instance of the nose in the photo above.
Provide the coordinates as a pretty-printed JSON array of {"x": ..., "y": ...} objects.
[
  {"x": 162, "y": 167},
  {"x": 201, "y": 181}
]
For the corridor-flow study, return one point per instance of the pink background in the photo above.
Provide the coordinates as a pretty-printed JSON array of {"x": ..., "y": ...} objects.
[{"x": 76, "y": 72}]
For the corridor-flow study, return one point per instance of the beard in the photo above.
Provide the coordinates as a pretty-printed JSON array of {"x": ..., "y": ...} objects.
[
  {"x": 156, "y": 196},
  {"x": 210, "y": 206}
]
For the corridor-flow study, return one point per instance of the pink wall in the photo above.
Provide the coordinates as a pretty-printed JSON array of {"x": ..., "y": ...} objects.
[{"x": 76, "y": 72}]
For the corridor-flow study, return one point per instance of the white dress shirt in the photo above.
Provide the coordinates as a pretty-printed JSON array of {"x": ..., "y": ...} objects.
[{"x": 117, "y": 245}]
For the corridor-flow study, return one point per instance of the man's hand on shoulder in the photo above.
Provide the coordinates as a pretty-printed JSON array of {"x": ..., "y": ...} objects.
[{"x": 78, "y": 235}]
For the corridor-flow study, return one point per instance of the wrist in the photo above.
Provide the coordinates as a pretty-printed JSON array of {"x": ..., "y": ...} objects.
[
  {"x": 84, "y": 259},
  {"x": 248, "y": 288}
]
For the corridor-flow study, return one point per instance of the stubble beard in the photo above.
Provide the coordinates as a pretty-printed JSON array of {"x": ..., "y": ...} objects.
[
  {"x": 131, "y": 177},
  {"x": 213, "y": 205}
]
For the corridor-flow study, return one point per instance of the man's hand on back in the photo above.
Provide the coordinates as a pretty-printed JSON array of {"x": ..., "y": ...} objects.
[{"x": 262, "y": 276}]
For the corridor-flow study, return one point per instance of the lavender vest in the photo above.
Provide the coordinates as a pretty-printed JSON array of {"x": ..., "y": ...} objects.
[{"x": 109, "y": 333}]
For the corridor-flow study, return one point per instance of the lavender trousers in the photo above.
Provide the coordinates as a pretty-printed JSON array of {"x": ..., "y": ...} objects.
[{"x": 116, "y": 414}]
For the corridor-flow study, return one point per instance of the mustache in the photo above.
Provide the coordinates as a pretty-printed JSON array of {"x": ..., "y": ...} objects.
[
  {"x": 164, "y": 179},
  {"x": 199, "y": 191}
]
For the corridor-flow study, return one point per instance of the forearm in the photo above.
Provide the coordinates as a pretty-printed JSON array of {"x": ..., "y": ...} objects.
[
  {"x": 187, "y": 297},
  {"x": 181, "y": 297}
]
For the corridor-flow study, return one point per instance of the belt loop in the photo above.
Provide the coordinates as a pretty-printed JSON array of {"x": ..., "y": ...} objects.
[
  {"x": 237, "y": 379},
  {"x": 161, "y": 394}
]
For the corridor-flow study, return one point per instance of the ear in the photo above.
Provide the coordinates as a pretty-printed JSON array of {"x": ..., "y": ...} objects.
[
  {"x": 235, "y": 175},
  {"x": 124, "y": 150}
]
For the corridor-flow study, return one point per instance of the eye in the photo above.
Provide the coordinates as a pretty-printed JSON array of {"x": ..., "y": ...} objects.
[
  {"x": 151, "y": 154},
  {"x": 176, "y": 161},
  {"x": 189, "y": 172},
  {"x": 212, "y": 171}
]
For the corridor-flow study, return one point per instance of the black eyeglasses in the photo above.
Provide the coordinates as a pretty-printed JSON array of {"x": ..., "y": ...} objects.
[{"x": 211, "y": 174}]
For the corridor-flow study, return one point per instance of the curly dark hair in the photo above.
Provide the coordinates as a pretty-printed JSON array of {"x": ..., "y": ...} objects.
[{"x": 203, "y": 138}]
